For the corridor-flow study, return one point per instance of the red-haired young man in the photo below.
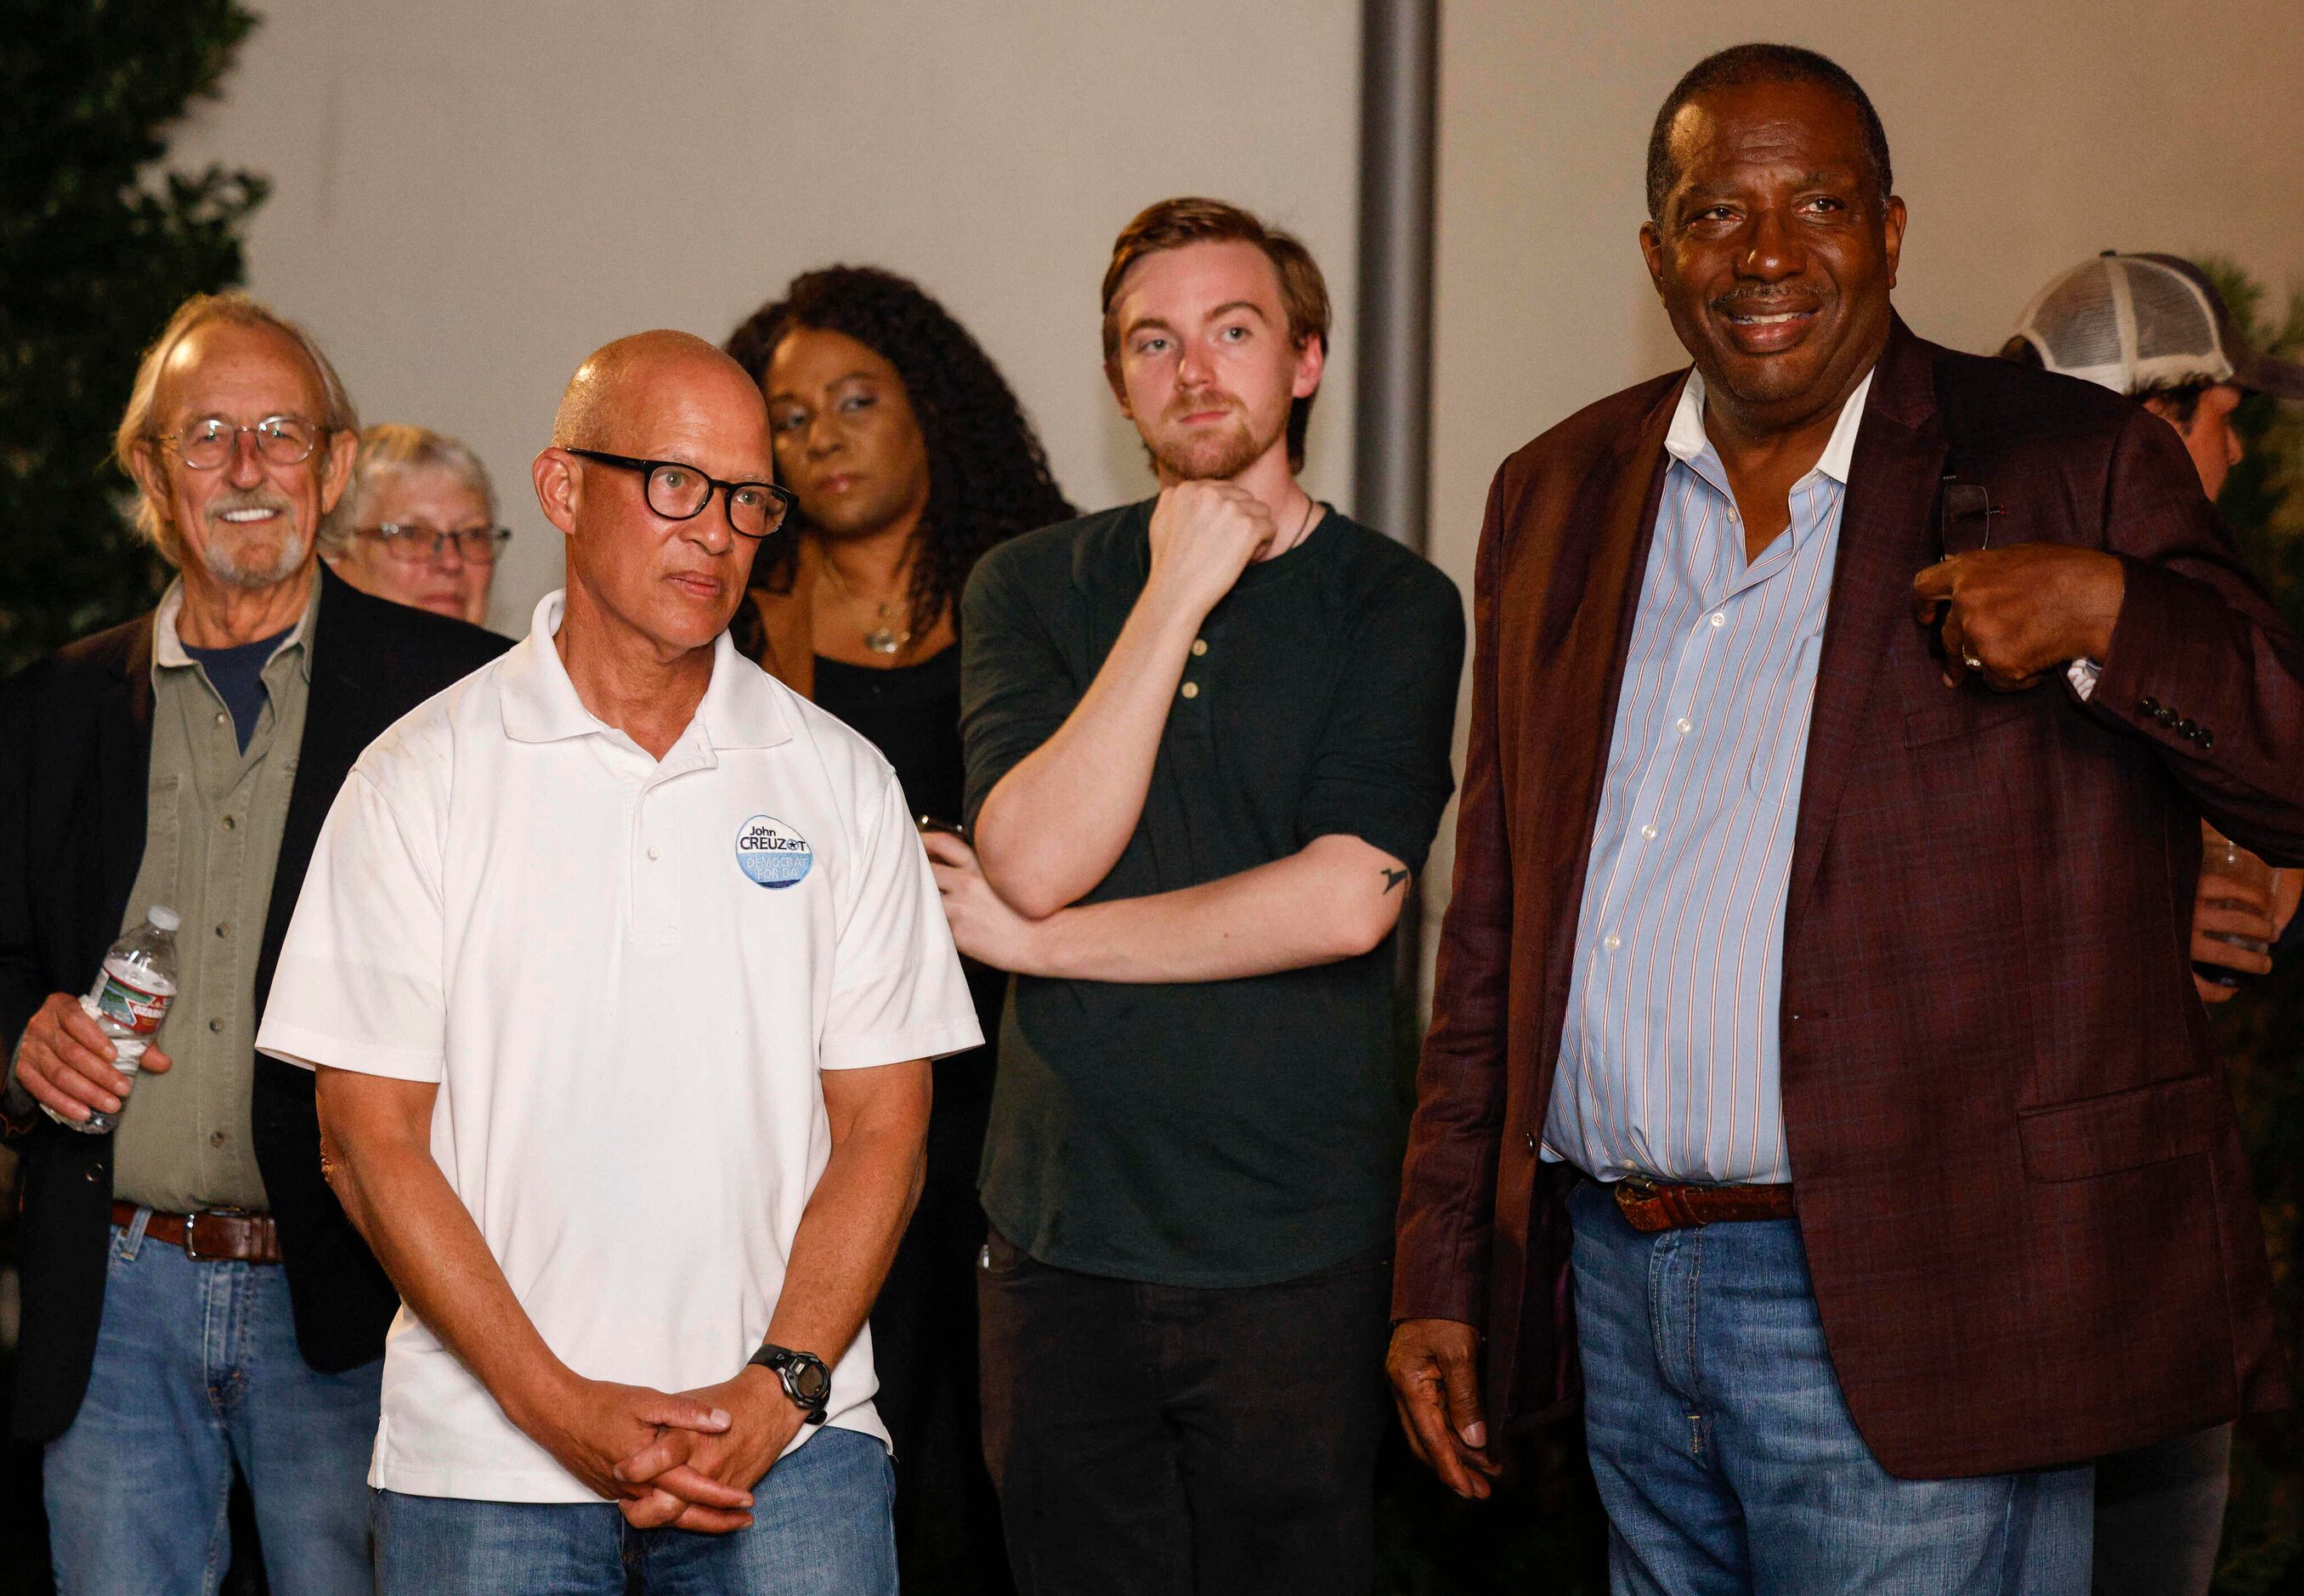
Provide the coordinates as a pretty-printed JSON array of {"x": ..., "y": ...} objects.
[{"x": 1207, "y": 743}]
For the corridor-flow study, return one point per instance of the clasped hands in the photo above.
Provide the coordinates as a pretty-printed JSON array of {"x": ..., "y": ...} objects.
[
  {"x": 2008, "y": 616},
  {"x": 688, "y": 1460}
]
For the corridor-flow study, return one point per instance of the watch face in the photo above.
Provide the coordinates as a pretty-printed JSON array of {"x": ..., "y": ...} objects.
[{"x": 811, "y": 1381}]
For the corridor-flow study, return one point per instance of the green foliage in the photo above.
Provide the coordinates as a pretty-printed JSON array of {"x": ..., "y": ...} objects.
[
  {"x": 97, "y": 247},
  {"x": 2261, "y": 1032}
]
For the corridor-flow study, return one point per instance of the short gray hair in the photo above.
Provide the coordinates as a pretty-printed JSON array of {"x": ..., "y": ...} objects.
[
  {"x": 390, "y": 449},
  {"x": 237, "y": 309}
]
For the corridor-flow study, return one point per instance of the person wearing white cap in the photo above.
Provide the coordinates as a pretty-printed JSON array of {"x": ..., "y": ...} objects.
[{"x": 2154, "y": 327}]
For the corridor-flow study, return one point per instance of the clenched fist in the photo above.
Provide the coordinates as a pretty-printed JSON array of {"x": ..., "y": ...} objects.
[{"x": 1204, "y": 535}]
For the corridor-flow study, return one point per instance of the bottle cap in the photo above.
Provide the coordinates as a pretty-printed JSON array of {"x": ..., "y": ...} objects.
[{"x": 168, "y": 920}]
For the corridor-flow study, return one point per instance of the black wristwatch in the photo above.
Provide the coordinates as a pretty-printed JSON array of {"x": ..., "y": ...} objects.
[{"x": 806, "y": 1381}]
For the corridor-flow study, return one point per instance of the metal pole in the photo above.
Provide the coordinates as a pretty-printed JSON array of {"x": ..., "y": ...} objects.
[
  {"x": 1392, "y": 416},
  {"x": 1391, "y": 409}
]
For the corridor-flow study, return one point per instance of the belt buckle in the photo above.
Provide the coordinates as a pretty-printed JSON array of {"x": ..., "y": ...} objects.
[{"x": 192, "y": 1230}]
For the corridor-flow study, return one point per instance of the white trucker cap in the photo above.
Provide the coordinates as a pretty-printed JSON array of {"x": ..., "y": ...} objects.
[{"x": 2134, "y": 322}]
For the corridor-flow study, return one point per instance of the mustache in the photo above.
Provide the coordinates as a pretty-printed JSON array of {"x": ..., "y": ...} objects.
[
  {"x": 1747, "y": 302},
  {"x": 247, "y": 498},
  {"x": 1199, "y": 399}
]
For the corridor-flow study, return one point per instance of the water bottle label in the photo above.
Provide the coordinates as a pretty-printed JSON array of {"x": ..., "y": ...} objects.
[{"x": 130, "y": 1007}]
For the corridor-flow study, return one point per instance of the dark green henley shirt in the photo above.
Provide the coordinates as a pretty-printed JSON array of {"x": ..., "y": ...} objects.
[{"x": 1228, "y": 1132}]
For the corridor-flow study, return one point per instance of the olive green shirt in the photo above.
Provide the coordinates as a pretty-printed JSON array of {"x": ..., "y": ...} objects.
[{"x": 210, "y": 842}]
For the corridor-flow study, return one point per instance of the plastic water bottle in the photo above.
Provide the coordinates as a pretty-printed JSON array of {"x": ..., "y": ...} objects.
[{"x": 131, "y": 996}]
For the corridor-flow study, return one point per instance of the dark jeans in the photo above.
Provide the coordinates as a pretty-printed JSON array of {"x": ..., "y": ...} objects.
[
  {"x": 1166, "y": 1440},
  {"x": 2160, "y": 1514}
]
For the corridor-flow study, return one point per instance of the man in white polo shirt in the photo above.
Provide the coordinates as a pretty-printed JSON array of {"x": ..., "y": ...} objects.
[{"x": 621, "y": 965}]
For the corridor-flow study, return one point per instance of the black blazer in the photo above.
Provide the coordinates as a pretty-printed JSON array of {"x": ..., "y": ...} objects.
[{"x": 75, "y": 760}]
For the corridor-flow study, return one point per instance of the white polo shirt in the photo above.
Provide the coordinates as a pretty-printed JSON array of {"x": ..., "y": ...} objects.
[{"x": 625, "y": 976}]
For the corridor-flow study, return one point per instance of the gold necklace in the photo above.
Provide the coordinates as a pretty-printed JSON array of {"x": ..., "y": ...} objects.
[{"x": 883, "y": 638}]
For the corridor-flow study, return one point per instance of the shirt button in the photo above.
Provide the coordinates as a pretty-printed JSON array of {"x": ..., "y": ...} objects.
[
  {"x": 230, "y": 824},
  {"x": 217, "y": 1139},
  {"x": 1612, "y": 942},
  {"x": 1719, "y": 618},
  {"x": 1648, "y": 832},
  {"x": 1200, "y": 646},
  {"x": 223, "y": 927},
  {"x": 1683, "y": 727},
  {"x": 1191, "y": 690},
  {"x": 222, "y": 718},
  {"x": 651, "y": 852},
  {"x": 216, "y": 1027}
]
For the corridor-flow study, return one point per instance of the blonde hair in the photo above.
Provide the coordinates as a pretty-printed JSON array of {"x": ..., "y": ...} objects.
[
  {"x": 234, "y": 309},
  {"x": 389, "y": 449}
]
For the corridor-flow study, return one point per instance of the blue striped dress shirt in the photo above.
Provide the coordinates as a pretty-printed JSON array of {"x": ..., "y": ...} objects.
[{"x": 1668, "y": 1060}]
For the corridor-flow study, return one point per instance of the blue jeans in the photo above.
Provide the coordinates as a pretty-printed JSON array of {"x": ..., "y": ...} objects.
[
  {"x": 821, "y": 1526},
  {"x": 196, "y": 1370},
  {"x": 1725, "y": 1455}
]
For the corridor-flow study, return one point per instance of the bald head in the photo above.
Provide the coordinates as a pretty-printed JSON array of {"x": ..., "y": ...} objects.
[
  {"x": 669, "y": 408},
  {"x": 624, "y": 390}
]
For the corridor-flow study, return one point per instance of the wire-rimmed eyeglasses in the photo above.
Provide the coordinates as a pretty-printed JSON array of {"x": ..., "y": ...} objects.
[
  {"x": 412, "y": 543},
  {"x": 678, "y": 491},
  {"x": 208, "y": 442}
]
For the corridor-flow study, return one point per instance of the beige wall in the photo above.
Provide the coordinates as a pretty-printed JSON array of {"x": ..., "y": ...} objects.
[
  {"x": 467, "y": 198},
  {"x": 2026, "y": 137}
]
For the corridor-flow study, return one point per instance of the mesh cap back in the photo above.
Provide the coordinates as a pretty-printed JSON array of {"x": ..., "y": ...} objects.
[{"x": 2129, "y": 323}]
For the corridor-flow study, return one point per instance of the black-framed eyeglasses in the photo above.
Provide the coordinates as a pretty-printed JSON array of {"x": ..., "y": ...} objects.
[
  {"x": 679, "y": 492},
  {"x": 411, "y": 543},
  {"x": 208, "y": 442}
]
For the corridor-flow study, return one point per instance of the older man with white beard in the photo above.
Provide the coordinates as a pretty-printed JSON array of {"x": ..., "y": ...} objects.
[{"x": 194, "y": 1299}]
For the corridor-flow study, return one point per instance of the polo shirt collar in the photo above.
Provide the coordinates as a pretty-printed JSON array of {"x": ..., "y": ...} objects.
[
  {"x": 740, "y": 708},
  {"x": 168, "y": 644},
  {"x": 1687, "y": 441}
]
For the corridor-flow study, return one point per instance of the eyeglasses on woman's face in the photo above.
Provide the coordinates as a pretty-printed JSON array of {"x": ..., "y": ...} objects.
[{"x": 412, "y": 543}]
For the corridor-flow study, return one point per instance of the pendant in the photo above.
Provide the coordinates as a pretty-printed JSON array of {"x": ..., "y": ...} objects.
[{"x": 883, "y": 640}]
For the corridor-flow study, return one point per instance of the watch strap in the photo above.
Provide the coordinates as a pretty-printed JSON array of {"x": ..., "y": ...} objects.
[{"x": 786, "y": 1365}]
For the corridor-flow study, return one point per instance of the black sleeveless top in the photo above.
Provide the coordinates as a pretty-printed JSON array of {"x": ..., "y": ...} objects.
[{"x": 911, "y": 713}]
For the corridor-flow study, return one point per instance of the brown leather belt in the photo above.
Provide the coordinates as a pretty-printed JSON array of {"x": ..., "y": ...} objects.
[
  {"x": 1653, "y": 1205},
  {"x": 216, "y": 1234}
]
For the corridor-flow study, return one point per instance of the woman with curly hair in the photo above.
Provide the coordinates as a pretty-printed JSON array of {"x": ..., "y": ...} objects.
[{"x": 911, "y": 457}]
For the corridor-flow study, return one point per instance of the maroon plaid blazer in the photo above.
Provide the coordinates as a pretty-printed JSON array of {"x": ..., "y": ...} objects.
[{"x": 2028, "y": 1216}]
